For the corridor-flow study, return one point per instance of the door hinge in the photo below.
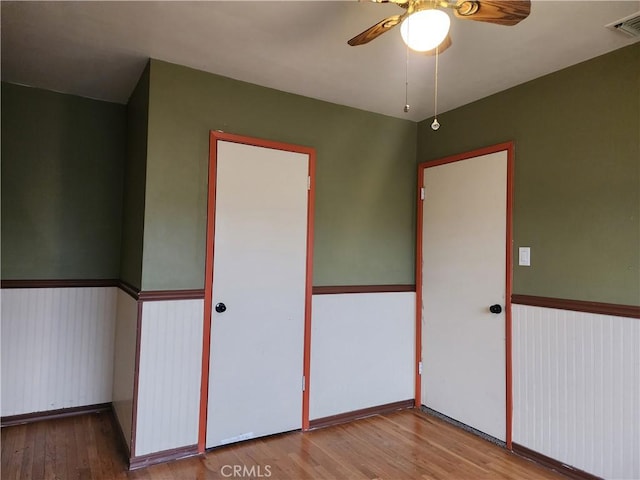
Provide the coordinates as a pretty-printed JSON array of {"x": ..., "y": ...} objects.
[
  {"x": 309, "y": 182},
  {"x": 304, "y": 383},
  {"x": 419, "y": 368},
  {"x": 422, "y": 193}
]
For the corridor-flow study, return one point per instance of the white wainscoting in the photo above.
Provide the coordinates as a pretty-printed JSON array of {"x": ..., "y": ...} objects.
[
  {"x": 124, "y": 362},
  {"x": 577, "y": 389},
  {"x": 169, "y": 375},
  {"x": 57, "y": 348},
  {"x": 362, "y": 351}
]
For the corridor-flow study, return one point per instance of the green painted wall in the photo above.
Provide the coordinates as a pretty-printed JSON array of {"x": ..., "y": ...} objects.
[
  {"x": 134, "y": 183},
  {"x": 577, "y": 174},
  {"x": 577, "y": 178},
  {"x": 364, "y": 221},
  {"x": 62, "y": 161}
]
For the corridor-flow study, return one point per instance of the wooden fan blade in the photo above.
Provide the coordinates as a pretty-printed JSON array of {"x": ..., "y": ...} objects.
[
  {"x": 501, "y": 12},
  {"x": 376, "y": 30},
  {"x": 446, "y": 43}
]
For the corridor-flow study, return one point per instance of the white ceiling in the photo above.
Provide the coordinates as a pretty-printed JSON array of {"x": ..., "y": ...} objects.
[{"x": 98, "y": 49}]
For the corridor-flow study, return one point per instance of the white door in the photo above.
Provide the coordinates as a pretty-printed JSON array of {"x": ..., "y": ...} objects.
[
  {"x": 259, "y": 274},
  {"x": 463, "y": 274}
]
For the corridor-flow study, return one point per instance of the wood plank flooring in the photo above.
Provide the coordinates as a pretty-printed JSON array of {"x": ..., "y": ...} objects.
[{"x": 401, "y": 445}]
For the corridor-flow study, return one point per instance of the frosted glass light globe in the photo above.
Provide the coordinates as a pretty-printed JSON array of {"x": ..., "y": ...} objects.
[{"x": 425, "y": 30}]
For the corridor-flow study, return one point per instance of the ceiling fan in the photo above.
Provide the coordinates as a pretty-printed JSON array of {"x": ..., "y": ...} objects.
[{"x": 426, "y": 18}]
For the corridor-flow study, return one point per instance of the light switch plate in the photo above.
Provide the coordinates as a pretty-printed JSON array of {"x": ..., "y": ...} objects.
[{"x": 524, "y": 256}]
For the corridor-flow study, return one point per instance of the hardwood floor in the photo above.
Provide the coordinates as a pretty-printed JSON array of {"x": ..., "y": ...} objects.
[{"x": 401, "y": 445}]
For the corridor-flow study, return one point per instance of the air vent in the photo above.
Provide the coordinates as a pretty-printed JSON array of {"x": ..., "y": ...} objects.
[{"x": 629, "y": 25}]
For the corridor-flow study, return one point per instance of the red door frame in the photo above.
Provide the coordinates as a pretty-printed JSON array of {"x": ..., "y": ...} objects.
[
  {"x": 509, "y": 147},
  {"x": 214, "y": 137}
]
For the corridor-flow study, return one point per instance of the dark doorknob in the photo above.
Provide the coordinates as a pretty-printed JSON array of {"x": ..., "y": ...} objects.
[
  {"x": 493, "y": 308},
  {"x": 221, "y": 307}
]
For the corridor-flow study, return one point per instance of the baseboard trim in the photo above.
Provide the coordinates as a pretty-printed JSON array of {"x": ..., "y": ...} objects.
[
  {"x": 553, "y": 464},
  {"x": 12, "y": 420},
  {"x": 163, "y": 457},
  {"x": 357, "y": 414},
  {"x": 612, "y": 309}
]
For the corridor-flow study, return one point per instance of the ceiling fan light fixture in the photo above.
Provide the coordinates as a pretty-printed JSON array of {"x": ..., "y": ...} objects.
[{"x": 425, "y": 30}]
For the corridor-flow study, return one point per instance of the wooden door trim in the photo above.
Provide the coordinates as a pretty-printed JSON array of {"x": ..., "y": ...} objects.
[
  {"x": 214, "y": 137},
  {"x": 509, "y": 148},
  {"x": 306, "y": 361}
]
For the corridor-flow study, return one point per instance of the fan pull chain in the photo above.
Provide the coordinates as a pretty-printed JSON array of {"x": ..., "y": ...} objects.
[
  {"x": 406, "y": 82},
  {"x": 436, "y": 125}
]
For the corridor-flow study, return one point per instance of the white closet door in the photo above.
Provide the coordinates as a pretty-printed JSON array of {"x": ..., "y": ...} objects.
[
  {"x": 464, "y": 263},
  {"x": 259, "y": 271}
]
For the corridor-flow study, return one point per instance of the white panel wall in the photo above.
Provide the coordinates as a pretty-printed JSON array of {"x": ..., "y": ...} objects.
[
  {"x": 57, "y": 348},
  {"x": 362, "y": 351},
  {"x": 124, "y": 359},
  {"x": 577, "y": 389},
  {"x": 169, "y": 375}
]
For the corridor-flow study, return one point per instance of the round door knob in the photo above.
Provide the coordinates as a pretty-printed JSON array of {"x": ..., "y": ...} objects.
[
  {"x": 221, "y": 307},
  {"x": 495, "y": 308}
]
